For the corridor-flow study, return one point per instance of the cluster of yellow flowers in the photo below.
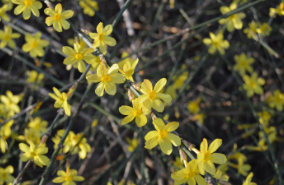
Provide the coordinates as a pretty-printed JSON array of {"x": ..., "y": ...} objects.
[
  {"x": 146, "y": 99},
  {"x": 74, "y": 143}
]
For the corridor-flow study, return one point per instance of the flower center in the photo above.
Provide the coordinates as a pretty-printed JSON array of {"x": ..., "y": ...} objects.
[
  {"x": 163, "y": 134},
  {"x": 101, "y": 37},
  {"x": 37, "y": 126},
  {"x": 190, "y": 175},
  {"x": 34, "y": 44},
  {"x": 137, "y": 112},
  {"x": 28, "y": 2},
  {"x": 33, "y": 154},
  {"x": 68, "y": 178},
  {"x": 78, "y": 56},
  {"x": 57, "y": 17},
  {"x": 4, "y": 175},
  {"x": 232, "y": 17},
  {"x": 7, "y": 37},
  {"x": 106, "y": 79},
  {"x": 206, "y": 156},
  {"x": 252, "y": 84},
  {"x": 152, "y": 95},
  {"x": 243, "y": 64}
]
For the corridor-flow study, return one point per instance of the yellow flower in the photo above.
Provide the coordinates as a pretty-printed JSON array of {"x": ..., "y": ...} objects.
[
  {"x": 35, "y": 154},
  {"x": 277, "y": 100},
  {"x": 233, "y": 21},
  {"x": 35, "y": 45},
  {"x": 11, "y": 102},
  {"x": 248, "y": 180},
  {"x": 162, "y": 136},
  {"x": 270, "y": 132},
  {"x": 129, "y": 68},
  {"x": 243, "y": 63},
  {"x": 133, "y": 143},
  {"x": 95, "y": 123},
  {"x": 128, "y": 59},
  {"x": 189, "y": 175},
  {"x": 5, "y": 133},
  {"x": 151, "y": 98},
  {"x": 31, "y": 135},
  {"x": 6, "y": 37},
  {"x": 207, "y": 157},
  {"x": 178, "y": 163},
  {"x": 3, "y": 11},
  {"x": 135, "y": 112},
  {"x": 33, "y": 77},
  {"x": 68, "y": 177},
  {"x": 77, "y": 55},
  {"x": 216, "y": 42},
  {"x": 8, "y": 3},
  {"x": 89, "y": 7},
  {"x": 253, "y": 84},
  {"x": 58, "y": 18},
  {"x": 6, "y": 174},
  {"x": 61, "y": 101},
  {"x": 101, "y": 39},
  {"x": 252, "y": 30},
  {"x": 278, "y": 10},
  {"x": 107, "y": 78},
  {"x": 39, "y": 125},
  {"x": 27, "y": 6},
  {"x": 74, "y": 143},
  {"x": 264, "y": 117},
  {"x": 193, "y": 106},
  {"x": 199, "y": 117},
  {"x": 222, "y": 177},
  {"x": 264, "y": 29}
]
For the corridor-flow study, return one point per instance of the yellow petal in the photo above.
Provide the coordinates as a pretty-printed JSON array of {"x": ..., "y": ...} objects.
[
  {"x": 24, "y": 147},
  {"x": 151, "y": 135},
  {"x": 110, "y": 88},
  {"x": 209, "y": 167},
  {"x": 107, "y": 30},
  {"x": 175, "y": 140},
  {"x": 100, "y": 89},
  {"x": 159, "y": 124},
  {"x": 204, "y": 146},
  {"x": 141, "y": 120},
  {"x": 214, "y": 145},
  {"x": 160, "y": 85},
  {"x": 166, "y": 146},
  {"x": 218, "y": 158},
  {"x": 127, "y": 119},
  {"x": 171, "y": 126}
]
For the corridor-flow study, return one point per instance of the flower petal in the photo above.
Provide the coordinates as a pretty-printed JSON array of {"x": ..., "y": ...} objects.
[
  {"x": 127, "y": 119},
  {"x": 218, "y": 158},
  {"x": 175, "y": 140},
  {"x": 166, "y": 146},
  {"x": 110, "y": 88},
  {"x": 171, "y": 126},
  {"x": 159, "y": 124},
  {"x": 214, "y": 145},
  {"x": 160, "y": 85},
  {"x": 100, "y": 89}
]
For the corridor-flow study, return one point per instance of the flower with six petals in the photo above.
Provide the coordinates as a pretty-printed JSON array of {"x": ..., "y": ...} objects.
[
  {"x": 107, "y": 78},
  {"x": 207, "y": 157},
  {"x": 34, "y": 45},
  {"x": 151, "y": 98},
  {"x": 162, "y": 136},
  {"x": 7, "y": 37},
  {"x": 77, "y": 55},
  {"x": 135, "y": 112},
  {"x": 216, "y": 42},
  {"x": 34, "y": 153},
  {"x": 58, "y": 18},
  {"x": 27, "y": 6},
  {"x": 61, "y": 101},
  {"x": 190, "y": 174},
  {"x": 67, "y": 177},
  {"x": 102, "y": 38}
]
